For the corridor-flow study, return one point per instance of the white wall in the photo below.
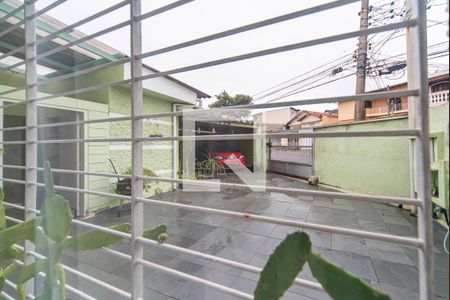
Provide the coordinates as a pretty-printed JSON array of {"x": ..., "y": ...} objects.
[{"x": 164, "y": 86}]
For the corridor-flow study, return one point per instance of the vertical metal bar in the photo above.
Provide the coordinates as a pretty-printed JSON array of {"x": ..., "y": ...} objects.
[
  {"x": 31, "y": 132},
  {"x": 418, "y": 78},
  {"x": 137, "y": 104},
  {"x": 175, "y": 146}
]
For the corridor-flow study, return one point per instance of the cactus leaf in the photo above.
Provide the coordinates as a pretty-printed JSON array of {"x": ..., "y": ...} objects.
[
  {"x": 48, "y": 179},
  {"x": 157, "y": 234},
  {"x": 9, "y": 269},
  {"x": 56, "y": 217},
  {"x": 339, "y": 284},
  {"x": 95, "y": 239},
  {"x": 62, "y": 281},
  {"x": 55, "y": 211},
  {"x": 17, "y": 233},
  {"x": 283, "y": 266},
  {"x": 30, "y": 271}
]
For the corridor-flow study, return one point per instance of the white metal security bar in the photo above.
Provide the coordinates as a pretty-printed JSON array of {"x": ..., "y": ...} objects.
[{"x": 417, "y": 93}]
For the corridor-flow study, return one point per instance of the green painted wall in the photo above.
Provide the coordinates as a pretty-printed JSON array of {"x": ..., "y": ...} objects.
[
  {"x": 101, "y": 104},
  {"x": 377, "y": 165},
  {"x": 157, "y": 155},
  {"x": 367, "y": 165}
]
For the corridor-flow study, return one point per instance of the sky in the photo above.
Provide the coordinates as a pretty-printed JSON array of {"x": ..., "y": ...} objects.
[{"x": 204, "y": 17}]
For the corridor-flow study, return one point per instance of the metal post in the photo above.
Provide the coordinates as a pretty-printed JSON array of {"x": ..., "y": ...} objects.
[
  {"x": 362, "y": 61},
  {"x": 418, "y": 78},
  {"x": 137, "y": 104},
  {"x": 31, "y": 132}
]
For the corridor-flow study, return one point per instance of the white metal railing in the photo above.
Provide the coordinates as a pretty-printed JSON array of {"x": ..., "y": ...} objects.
[
  {"x": 437, "y": 98},
  {"x": 417, "y": 93}
]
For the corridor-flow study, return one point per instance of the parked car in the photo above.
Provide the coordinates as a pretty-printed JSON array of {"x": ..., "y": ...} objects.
[{"x": 237, "y": 159}]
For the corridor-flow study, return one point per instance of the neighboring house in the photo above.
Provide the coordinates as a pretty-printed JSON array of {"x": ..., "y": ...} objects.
[
  {"x": 383, "y": 108},
  {"x": 275, "y": 120},
  {"x": 307, "y": 118},
  {"x": 303, "y": 121},
  {"x": 161, "y": 94}
]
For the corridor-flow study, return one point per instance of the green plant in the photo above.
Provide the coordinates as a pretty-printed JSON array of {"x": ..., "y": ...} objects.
[
  {"x": 287, "y": 262},
  {"x": 210, "y": 165},
  {"x": 147, "y": 183},
  {"x": 7, "y": 254},
  {"x": 50, "y": 233}
]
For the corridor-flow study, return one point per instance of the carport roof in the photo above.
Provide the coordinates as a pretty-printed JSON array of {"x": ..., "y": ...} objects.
[{"x": 81, "y": 56}]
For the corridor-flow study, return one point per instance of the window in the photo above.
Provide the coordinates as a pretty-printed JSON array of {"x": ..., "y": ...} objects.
[
  {"x": 368, "y": 104},
  {"x": 439, "y": 87}
]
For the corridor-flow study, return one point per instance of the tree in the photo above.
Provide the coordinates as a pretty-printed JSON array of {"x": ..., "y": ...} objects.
[{"x": 223, "y": 99}]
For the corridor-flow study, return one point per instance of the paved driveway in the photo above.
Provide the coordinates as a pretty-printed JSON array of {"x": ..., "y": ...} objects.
[{"x": 390, "y": 268}]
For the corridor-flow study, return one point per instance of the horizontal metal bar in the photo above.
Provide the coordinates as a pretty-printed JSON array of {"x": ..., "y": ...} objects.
[
  {"x": 10, "y": 29},
  {"x": 74, "y": 43},
  {"x": 71, "y": 92},
  {"x": 70, "y": 123},
  {"x": 305, "y": 192},
  {"x": 360, "y": 97},
  {"x": 339, "y": 134},
  {"x": 55, "y": 34},
  {"x": 162, "y": 9},
  {"x": 12, "y": 13},
  {"x": 70, "y": 189},
  {"x": 252, "y": 26},
  {"x": 88, "y": 37},
  {"x": 413, "y": 242},
  {"x": 46, "y": 9},
  {"x": 393, "y": 26},
  {"x": 232, "y": 263},
  {"x": 82, "y": 275},
  {"x": 7, "y": 296},
  {"x": 68, "y": 287},
  {"x": 300, "y": 45},
  {"x": 95, "y": 16},
  {"x": 230, "y": 137},
  {"x": 78, "y": 222},
  {"x": 189, "y": 277}
]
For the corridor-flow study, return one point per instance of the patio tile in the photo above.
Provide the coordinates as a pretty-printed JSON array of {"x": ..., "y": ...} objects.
[
  {"x": 247, "y": 241},
  {"x": 398, "y": 293},
  {"x": 397, "y": 274},
  {"x": 387, "y": 252},
  {"x": 319, "y": 238},
  {"x": 207, "y": 219},
  {"x": 401, "y": 230},
  {"x": 190, "y": 229},
  {"x": 259, "y": 260},
  {"x": 394, "y": 220},
  {"x": 231, "y": 254},
  {"x": 281, "y": 231},
  {"x": 441, "y": 284},
  {"x": 358, "y": 265},
  {"x": 260, "y": 228},
  {"x": 269, "y": 246},
  {"x": 297, "y": 213},
  {"x": 197, "y": 291},
  {"x": 349, "y": 244}
]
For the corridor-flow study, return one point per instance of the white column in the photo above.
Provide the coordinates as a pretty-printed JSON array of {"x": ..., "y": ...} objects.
[{"x": 137, "y": 105}]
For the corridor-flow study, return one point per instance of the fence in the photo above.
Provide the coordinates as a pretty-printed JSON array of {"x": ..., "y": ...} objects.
[{"x": 417, "y": 93}]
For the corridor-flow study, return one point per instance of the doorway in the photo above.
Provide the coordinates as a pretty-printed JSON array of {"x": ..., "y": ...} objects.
[{"x": 66, "y": 156}]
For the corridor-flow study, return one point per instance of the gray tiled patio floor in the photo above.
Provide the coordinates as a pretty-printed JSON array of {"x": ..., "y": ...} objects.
[{"x": 389, "y": 267}]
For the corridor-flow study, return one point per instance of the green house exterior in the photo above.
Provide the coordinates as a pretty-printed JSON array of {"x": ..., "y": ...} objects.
[
  {"x": 109, "y": 103},
  {"x": 380, "y": 165}
]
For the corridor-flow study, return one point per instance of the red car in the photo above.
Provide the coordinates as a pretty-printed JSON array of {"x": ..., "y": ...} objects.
[{"x": 237, "y": 159}]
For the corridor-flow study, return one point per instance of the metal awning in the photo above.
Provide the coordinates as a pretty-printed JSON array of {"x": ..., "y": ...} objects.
[{"x": 78, "y": 57}]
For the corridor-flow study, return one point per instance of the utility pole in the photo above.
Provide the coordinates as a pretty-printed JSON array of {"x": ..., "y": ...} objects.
[{"x": 361, "y": 61}]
